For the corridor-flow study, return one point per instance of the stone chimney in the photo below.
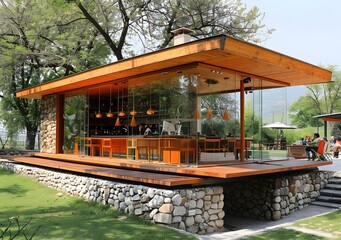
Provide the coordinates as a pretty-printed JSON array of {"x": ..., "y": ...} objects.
[{"x": 182, "y": 36}]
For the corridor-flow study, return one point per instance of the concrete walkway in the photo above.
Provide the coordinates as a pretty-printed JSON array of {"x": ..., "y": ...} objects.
[{"x": 242, "y": 227}]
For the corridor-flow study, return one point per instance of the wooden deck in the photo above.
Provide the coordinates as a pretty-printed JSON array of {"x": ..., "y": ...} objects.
[
  {"x": 165, "y": 174},
  {"x": 123, "y": 174}
]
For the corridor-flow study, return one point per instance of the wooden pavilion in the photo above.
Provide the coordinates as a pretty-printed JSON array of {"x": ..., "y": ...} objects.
[{"x": 97, "y": 117}]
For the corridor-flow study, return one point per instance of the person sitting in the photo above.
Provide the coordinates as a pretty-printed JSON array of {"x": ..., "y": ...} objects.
[{"x": 312, "y": 146}]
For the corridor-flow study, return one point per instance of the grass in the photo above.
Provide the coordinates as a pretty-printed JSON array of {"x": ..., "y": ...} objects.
[
  {"x": 286, "y": 234},
  {"x": 69, "y": 217},
  {"x": 266, "y": 154},
  {"x": 327, "y": 223}
]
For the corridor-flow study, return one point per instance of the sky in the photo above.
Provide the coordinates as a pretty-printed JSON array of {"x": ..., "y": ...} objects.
[{"x": 308, "y": 30}]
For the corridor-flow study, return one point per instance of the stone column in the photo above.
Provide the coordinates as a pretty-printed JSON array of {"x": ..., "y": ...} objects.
[{"x": 48, "y": 124}]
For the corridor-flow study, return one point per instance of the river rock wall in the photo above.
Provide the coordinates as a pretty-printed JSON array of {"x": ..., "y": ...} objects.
[
  {"x": 195, "y": 210},
  {"x": 48, "y": 124},
  {"x": 274, "y": 196}
]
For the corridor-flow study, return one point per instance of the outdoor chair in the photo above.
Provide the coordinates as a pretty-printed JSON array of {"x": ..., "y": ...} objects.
[{"x": 322, "y": 153}]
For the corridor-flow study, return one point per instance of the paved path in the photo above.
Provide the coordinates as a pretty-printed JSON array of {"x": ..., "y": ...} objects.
[{"x": 242, "y": 227}]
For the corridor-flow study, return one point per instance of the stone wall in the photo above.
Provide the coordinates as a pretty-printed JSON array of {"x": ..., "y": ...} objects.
[
  {"x": 196, "y": 210},
  {"x": 48, "y": 124},
  {"x": 273, "y": 197}
]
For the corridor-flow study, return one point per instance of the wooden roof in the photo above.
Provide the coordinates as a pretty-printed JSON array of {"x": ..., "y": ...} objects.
[
  {"x": 333, "y": 117},
  {"x": 235, "y": 58}
]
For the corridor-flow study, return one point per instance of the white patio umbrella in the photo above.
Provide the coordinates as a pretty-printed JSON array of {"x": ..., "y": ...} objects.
[{"x": 278, "y": 126}]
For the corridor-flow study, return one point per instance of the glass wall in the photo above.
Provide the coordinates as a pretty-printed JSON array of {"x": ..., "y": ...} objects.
[{"x": 185, "y": 116}]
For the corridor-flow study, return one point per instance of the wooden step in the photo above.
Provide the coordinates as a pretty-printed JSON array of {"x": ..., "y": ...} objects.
[{"x": 123, "y": 174}]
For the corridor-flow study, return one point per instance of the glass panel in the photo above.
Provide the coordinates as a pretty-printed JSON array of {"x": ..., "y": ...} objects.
[{"x": 74, "y": 124}]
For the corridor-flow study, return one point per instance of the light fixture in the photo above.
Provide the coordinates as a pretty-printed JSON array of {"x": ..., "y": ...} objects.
[
  {"x": 197, "y": 114},
  {"x": 122, "y": 113},
  {"x": 99, "y": 114},
  {"x": 209, "y": 113},
  {"x": 150, "y": 111},
  {"x": 247, "y": 80},
  {"x": 118, "y": 123},
  {"x": 133, "y": 113},
  {"x": 133, "y": 122},
  {"x": 110, "y": 114},
  {"x": 248, "y": 90},
  {"x": 211, "y": 81},
  {"x": 226, "y": 115}
]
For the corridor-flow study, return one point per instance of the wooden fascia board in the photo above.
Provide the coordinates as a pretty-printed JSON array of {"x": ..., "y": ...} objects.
[
  {"x": 155, "y": 59},
  {"x": 331, "y": 119},
  {"x": 251, "y": 51}
]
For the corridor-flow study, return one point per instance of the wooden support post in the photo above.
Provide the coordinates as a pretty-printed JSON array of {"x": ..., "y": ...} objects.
[
  {"x": 59, "y": 123},
  {"x": 242, "y": 121}
]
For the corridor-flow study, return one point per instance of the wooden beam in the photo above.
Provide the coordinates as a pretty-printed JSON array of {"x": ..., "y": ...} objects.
[{"x": 59, "y": 123}]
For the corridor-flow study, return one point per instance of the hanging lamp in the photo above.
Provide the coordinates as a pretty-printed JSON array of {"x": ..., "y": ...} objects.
[
  {"x": 197, "y": 114},
  {"x": 226, "y": 115},
  {"x": 122, "y": 113},
  {"x": 209, "y": 113},
  {"x": 110, "y": 114},
  {"x": 118, "y": 123},
  {"x": 133, "y": 122},
  {"x": 99, "y": 114},
  {"x": 133, "y": 113},
  {"x": 150, "y": 111}
]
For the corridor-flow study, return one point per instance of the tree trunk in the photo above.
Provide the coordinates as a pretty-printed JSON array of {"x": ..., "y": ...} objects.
[{"x": 31, "y": 137}]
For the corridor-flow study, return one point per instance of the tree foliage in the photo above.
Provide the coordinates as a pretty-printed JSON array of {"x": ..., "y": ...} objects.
[
  {"x": 319, "y": 99},
  {"x": 130, "y": 25},
  {"x": 44, "y": 40},
  {"x": 38, "y": 44}
]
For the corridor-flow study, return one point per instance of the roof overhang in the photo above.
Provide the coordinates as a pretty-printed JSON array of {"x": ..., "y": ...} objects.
[
  {"x": 224, "y": 53},
  {"x": 333, "y": 117}
]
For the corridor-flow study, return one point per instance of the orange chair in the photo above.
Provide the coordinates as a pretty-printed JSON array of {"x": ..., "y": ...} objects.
[
  {"x": 106, "y": 147},
  {"x": 93, "y": 144}
]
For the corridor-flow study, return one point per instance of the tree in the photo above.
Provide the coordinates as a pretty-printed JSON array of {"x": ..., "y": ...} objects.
[
  {"x": 45, "y": 40},
  {"x": 126, "y": 24},
  {"x": 38, "y": 44},
  {"x": 320, "y": 99}
]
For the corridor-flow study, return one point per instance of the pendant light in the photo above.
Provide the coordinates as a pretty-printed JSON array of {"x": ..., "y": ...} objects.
[
  {"x": 99, "y": 114},
  {"x": 133, "y": 113},
  {"x": 122, "y": 113},
  {"x": 209, "y": 113},
  {"x": 197, "y": 114},
  {"x": 150, "y": 111},
  {"x": 118, "y": 123},
  {"x": 110, "y": 114},
  {"x": 226, "y": 115}
]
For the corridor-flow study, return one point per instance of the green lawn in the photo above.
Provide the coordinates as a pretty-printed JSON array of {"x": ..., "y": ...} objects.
[
  {"x": 68, "y": 217},
  {"x": 328, "y": 223},
  {"x": 285, "y": 234},
  {"x": 267, "y": 154}
]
